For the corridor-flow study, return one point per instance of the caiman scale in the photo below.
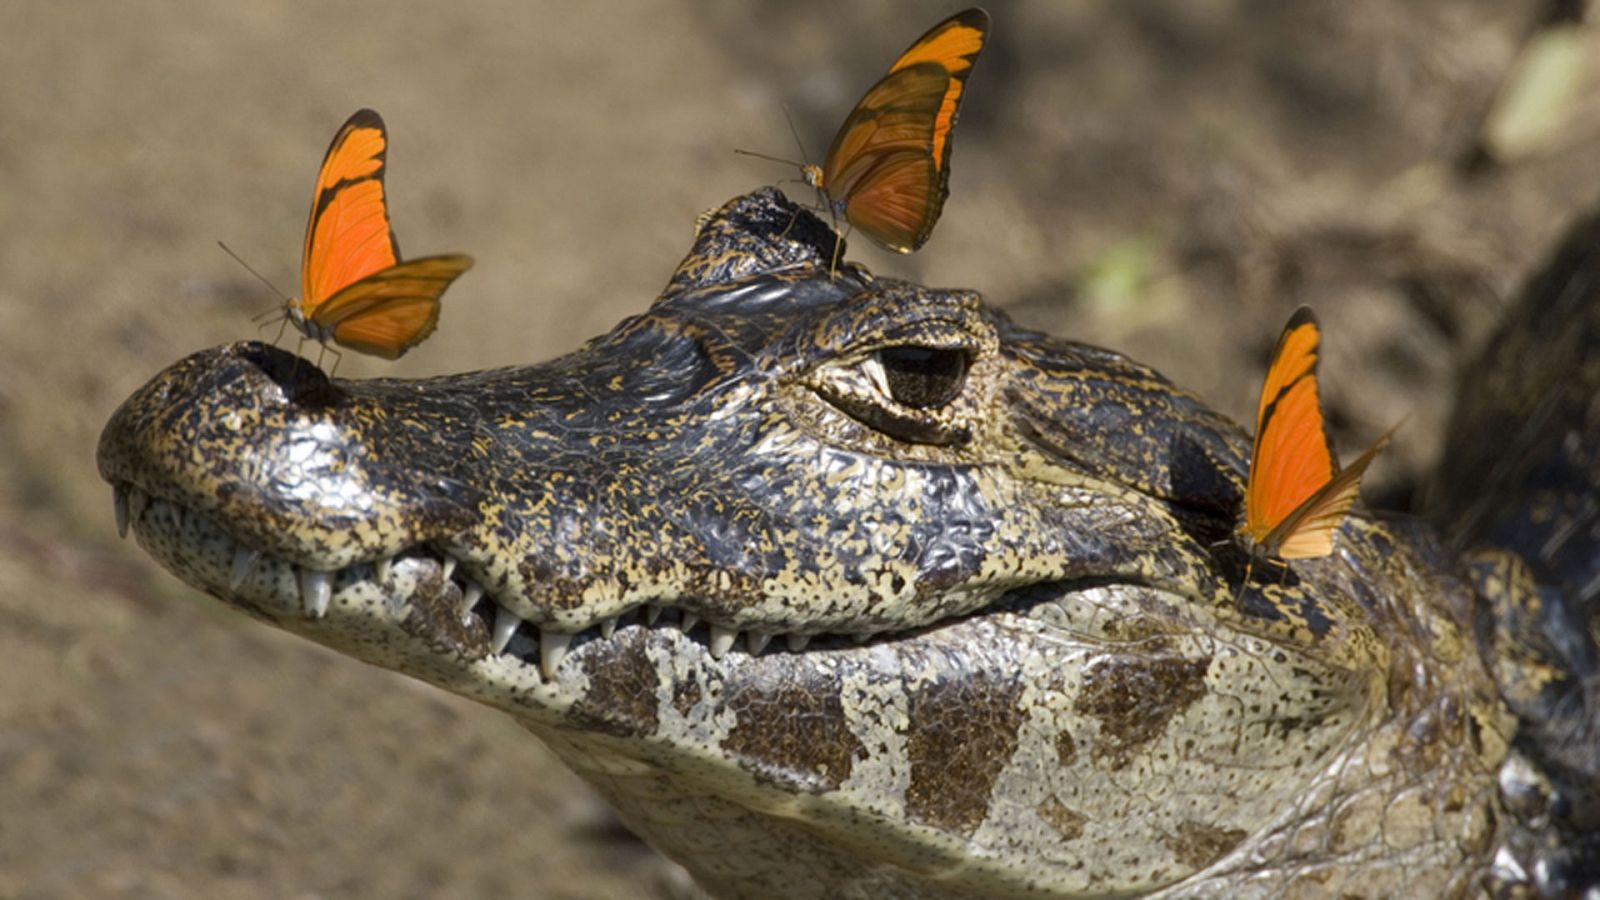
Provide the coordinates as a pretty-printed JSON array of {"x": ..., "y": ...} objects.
[{"x": 837, "y": 586}]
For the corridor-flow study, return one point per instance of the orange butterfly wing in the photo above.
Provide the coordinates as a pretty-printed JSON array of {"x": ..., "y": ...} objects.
[
  {"x": 348, "y": 236},
  {"x": 887, "y": 169},
  {"x": 955, "y": 44},
  {"x": 1296, "y": 495},
  {"x": 879, "y": 173},
  {"x": 394, "y": 309},
  {"x": 354, "y": 287},
  {"x": 1308, "y": 531}
]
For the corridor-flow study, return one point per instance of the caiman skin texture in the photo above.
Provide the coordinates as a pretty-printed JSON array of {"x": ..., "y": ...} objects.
[{"x": 838, "y": 586}]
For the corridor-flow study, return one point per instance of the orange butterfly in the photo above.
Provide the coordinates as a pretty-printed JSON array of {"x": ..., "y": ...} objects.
[
  {"x": 887, "y": 172},
  {"x": 354, "y": 288},
  {"x": 1297, "y": 495}
]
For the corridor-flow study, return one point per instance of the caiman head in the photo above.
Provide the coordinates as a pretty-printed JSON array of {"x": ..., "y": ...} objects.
[{"x": 841, "y": 586}]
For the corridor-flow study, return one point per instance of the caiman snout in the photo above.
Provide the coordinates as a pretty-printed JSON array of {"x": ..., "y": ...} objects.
[{"x": 260, "y": 439}]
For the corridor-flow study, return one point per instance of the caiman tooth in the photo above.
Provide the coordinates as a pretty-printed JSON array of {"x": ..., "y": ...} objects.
[
  {"x": 381, "y": 568},
  {"x": 689, "y": 621},
  {"x": 316, "y": 589},
  {"x": 505, "y": 625},
  {"x": 449, "y": 566},
  {"x": 861, "y": 638},
  {"x": 137, "y": 501},
  {"x": 652, "y": 612},
  {"x": 244, "y": 559},
  {"x": 608, "y": 627},
  {"x": 119, "y": 502},
  {"x": 797, "y": 642},
  {"x": 470, "y": 595},
  {"x": 722, "y": 640},
  {"x": 756, "y": 641},
  {"x": 552, "y": 649}
]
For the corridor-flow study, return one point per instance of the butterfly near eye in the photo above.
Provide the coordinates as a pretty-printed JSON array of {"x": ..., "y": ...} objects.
[
  {"x": 887, "y": 172},
  {"x": 1296, "y": 495},
  {"x": 354, "y": 289}
]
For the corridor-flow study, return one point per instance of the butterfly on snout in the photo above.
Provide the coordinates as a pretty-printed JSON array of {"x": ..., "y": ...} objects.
[
  {"x": 887, "y": 172},
  {"x": 354, "y": 288},
  {"x": 1296, "y": 495}
]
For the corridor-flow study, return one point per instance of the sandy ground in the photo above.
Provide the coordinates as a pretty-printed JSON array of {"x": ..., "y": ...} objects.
[{"x": 1166, "y": 177}]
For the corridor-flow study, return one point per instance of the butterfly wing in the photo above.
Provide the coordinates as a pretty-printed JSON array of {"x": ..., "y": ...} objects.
[
  {"x": 1308, "y": 531},
  {"x": 1292, "y": 459},
  {"x": 954, "y": 44},
  {"x": 348, "y": 236},
  {"x": 887, "y": 169},
  {"x": 879, "y": 172},
  {"x": 394, "y": 309}
]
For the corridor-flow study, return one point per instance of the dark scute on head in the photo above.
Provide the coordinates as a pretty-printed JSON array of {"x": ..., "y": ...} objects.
[{"x": 761, "y": 232}]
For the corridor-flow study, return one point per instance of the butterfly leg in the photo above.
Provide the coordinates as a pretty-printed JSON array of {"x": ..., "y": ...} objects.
[
  {"x": 792, "y": 219},
  {"x": 299, "y": 348},
  {"x": 838, "y": 248},
  {"x": 1238, "y": 597},
  {"x": 1249, "y": 568},
  {"x": 337, "y": 358}
]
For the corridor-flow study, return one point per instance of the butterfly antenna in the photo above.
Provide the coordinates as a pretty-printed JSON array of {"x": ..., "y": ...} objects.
[
  {"x": 822, "y": 195},
  {"x": 776, "y": 159},
  {"x": 264, "y": 317},
  {"x": 796, "y": 132},
  {"x": 262, "y": 278}
]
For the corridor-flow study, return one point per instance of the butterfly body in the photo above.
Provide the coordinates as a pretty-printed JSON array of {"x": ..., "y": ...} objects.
[
  {"x": 887, "y": 170},
  {"x": 1297, "y": 496},
  {"x": 355, "y": 290}
]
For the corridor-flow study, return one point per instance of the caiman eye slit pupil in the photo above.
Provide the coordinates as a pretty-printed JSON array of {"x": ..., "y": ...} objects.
[{"x": 923, "y": 377}]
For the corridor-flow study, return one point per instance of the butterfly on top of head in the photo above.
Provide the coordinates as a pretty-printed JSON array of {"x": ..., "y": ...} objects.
[
  {"x": 354, "y": 289},
  {"x": 1297, "y": 495},
  {"x": 887, "y": 172}
]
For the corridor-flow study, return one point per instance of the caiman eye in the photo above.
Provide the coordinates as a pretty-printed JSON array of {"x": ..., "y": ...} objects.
[
  {"x": 922, "y": 377},
  {"x": 909, "y": 392}
]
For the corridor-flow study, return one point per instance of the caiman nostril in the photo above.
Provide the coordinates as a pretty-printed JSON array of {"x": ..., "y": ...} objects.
[{"x": 301, "y": 381}]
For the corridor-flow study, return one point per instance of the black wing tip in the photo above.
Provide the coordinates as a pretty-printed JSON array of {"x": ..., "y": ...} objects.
[
  {"x": 974, "y": 17},
  {"x": 365, "y": 117},
  {"x": 1302, "y": 316}
]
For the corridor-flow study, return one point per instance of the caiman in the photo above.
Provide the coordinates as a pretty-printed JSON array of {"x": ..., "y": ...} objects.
[{"x": 840, "y": 586}]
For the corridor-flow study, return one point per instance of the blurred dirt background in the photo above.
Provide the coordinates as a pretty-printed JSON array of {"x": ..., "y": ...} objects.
[{"x": 1169, "y": 178}]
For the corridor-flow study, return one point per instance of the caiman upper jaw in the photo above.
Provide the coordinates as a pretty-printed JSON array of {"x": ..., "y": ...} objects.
[
  {"x": 658, "y": 467},
  {"x": 260, "y": 438}
]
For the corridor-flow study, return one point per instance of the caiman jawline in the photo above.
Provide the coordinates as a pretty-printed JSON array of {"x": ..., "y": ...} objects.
[{"x": 149, "y": 516}]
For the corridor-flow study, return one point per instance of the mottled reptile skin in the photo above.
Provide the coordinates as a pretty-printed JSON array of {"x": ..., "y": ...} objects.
[{"x": 844, "y": 587}]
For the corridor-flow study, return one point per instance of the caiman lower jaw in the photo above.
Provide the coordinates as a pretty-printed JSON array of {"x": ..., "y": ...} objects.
[{"x": 420, "y": 588}]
